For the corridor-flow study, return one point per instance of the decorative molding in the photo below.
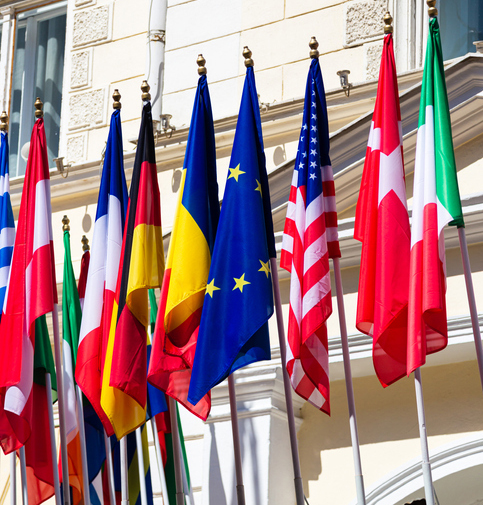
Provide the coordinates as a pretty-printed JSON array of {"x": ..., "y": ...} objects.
[
  {"x": 87, "y": 109},
  {"x": 81, "y": 69},
  {"x": 92, "y": 26},
  {"x": 76, "y": 148},
  {"x": 363, "y": 21},
  {"x": 81, "y": 4}
]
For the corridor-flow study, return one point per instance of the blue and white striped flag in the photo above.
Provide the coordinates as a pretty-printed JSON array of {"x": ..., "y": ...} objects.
[{"x": 7, "y": 224}]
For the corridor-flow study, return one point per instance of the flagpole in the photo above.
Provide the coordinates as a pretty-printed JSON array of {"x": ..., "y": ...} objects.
[
  {"x": 299, "y": 489},
  {"x": 176, "y": 452},
  {"x": 60, "y": 394},
  {"x": 23, "y": 475},
  {"x": 13, "y": 478},
  {"x": 124, "y": 472},
  {"x": 361, "y": 498},
  {"x": 142, "y": 475},
  {"x": 110, "y": 469},
  {"x": 471, "y": 300},
  {"x": 82, "y": 434},
  {"x": 427, "y": 478},
  {"x": 53, "y": 446},
  {"x": 159, "y": 458},
  {"x": 240, "y": 489}
]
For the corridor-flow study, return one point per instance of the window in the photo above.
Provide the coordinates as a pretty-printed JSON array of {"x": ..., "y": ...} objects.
[
  {"x": 461, "y": 25},
  {"x": 38, "y": 66}
]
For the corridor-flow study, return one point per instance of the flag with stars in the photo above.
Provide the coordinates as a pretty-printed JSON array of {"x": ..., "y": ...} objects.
[
  {"x": 238, "y": 299},
  {"x": 310, "y": 238},
  {"x": 382, "y": 225}
]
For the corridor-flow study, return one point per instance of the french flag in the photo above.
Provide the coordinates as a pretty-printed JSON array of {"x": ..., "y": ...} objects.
[{"x": 103, "y": 271}]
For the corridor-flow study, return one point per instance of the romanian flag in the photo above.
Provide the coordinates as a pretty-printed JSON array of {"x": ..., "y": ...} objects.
[
  {"x": 32, "y": 293},
  {"x": 188, "y": 263},
  {"x": 102, "y": 276},
  {"x": 436, "y": 203},
  {"x": 71, "y": 321},
  {"x": 238, "y": 298},
  {"x": 124, "y": 383}
]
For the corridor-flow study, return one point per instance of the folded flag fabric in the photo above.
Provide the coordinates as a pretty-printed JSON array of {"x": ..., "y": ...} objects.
[
  {"x": 103, "y": 272},
  {"x": 124, "y": 384},
  {"x": 238, "y": 298},
  {"x": 84, "y": 269},
  {"x": 382, "y": 225},
  {"x": 310, "y": 238},
  {"x": 436, "y": 203},
  {"x": 188, "y": 263},
  {"x": 7, "y": 224}
]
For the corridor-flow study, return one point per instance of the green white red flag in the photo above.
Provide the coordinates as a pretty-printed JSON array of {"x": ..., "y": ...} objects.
[{"x": 436, "y": 203}]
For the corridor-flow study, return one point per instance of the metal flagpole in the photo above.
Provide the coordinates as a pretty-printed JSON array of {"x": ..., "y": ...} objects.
[
  {"x": 240, "y": 489},
  {"x": 188, "y": 492},
  {"x": 13, "y": 478},
  {"x": 82, "y": 434},
  {"x": 471, "y": 300},
  {"x": 299, "y": 489},
  {"x": 110, "y": 469},
  {"x": 361, "y": 498},
  {"x": 23, "y": 475},
  {"x": 428, "y": 481},
  {"x": 142, "y": 475},
  {"x": 60, "y": 394},
  {"x": 176, "y": 452},
  {"x": 124, "y": 472},
  {"x": 53, "y": 447},
  {"x": 159, "y": 458}
]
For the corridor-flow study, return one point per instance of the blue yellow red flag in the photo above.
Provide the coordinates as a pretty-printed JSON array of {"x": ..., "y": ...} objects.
[{"x": 238, "y": 298}]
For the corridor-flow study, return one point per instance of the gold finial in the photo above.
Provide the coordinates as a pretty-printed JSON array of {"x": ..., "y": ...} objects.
[
  {"x": 85, "y": 243},
  {"x": 116, "y": 96},
  {"x": 313, "y": 44},
  {"x": 145, "y": 87},
  {"x": 432, "y": 11},
  {"x": 65, "y": 222},
  {"x": 4, "y": 122},
  {"x": 387, "y": 23},
  {"x": 39, "y": 108},
  {"x": 201, "y": 65},
  {"x": 247, "y": 54}
]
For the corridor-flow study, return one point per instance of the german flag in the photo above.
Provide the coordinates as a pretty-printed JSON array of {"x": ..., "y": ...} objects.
[{"x": 124, "y": 386}]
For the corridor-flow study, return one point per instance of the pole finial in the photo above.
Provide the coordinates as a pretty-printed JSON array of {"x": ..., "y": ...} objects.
[
  {"x": 116, "y": 96},
  {"x": 387, "y": 23},
  {"x": 39, "y": 106},
  {"x": 313, "y": 44},
  {"x": 85, "y": 243},
  {"x": 201, "y": 65},
  {"x": 247, "y": 54},
  {"x": 432, "y": 11},
  {"x": 145, "y": 87},
  {"x": 65, "y": 222},
  {"x": 4, "y": 121}
]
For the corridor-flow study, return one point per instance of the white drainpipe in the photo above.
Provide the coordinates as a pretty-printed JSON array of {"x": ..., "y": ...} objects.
[
  {"x": 8, "y": 19},
  {"x": 155, "y": 54}
]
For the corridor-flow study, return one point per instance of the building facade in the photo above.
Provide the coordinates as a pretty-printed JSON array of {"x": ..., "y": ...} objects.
[{"x": 74, "y": 53}]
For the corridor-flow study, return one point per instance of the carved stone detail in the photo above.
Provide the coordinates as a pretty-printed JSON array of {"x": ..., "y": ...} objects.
[
  {"x": 91, "y": 26},
  {"x": 364, "y": 20},
  {"x": 84, "y": 3},
  {"x": 372, "y": 60},
  {"x": 87, "y": 109},
  {"x": 79, "y": 76},
  {"x": 76, "y": 148}
]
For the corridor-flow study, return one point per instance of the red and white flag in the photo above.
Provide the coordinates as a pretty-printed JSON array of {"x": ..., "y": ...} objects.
[
  {"x": 382, "y": 225},
  {"x": 310, "y": 239},
  {"x": 32, "y": 289}
]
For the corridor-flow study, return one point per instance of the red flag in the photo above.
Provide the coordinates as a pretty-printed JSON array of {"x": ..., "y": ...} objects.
[
  {"x": 382, "y": 225},
  {"x": 32, "y": 292},
  {"x": 84, "y": 269}
]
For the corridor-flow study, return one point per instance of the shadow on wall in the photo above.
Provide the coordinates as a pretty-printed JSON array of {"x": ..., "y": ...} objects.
[{"x": 453, "y": 404}]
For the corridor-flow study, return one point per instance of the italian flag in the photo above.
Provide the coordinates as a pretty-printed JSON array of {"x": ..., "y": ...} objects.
[{"x": 436, "y": 203}]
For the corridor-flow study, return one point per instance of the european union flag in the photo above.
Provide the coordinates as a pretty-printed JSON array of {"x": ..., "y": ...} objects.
[{"x": 238, "y": 299}]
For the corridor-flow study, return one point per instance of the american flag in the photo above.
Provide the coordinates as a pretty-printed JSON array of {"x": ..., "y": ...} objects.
[{"x": 310, "y": 239}]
